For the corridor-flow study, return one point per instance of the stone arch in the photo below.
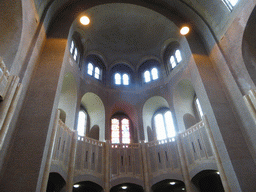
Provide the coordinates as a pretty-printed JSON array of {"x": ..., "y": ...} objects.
[
  {"x": 96, "y": 112},
  {"x": 183, "y": 101},
  {"x": 150, "y": 107},
  {"x": 249, "y": 46},
  {"x": 68, "y": 99}
]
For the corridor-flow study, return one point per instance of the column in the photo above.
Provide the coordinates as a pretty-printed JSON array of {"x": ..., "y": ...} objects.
[{"x": 145, "y": 166}]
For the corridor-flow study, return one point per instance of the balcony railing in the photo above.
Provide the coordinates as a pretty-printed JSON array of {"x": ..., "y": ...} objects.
[{"x": 126, "y": 160}]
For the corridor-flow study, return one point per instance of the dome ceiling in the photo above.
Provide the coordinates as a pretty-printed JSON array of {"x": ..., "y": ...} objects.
[{"x": 125, "y": 32}]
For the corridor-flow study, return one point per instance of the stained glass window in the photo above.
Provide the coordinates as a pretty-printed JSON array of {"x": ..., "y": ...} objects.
[
  {"x": 115, "y": 136},
  {"x": 120, "y": 130},
  {"x": 125, "y": 131}
]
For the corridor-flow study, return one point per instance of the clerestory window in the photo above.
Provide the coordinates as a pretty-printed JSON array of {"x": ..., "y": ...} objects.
[
  {"x": 74, "y": 51},
  {"x": 120, "y": 130},
  {"x": 164, "y": 125},
  {"x": 121, "y": 78},
  {"x": 175, "y": 58},
  {"x": 93, "y": 70},
  {"x": 230, "y": 4},
  {"x": 150, "y": 75},
  {"x": 198, "y": 107}
]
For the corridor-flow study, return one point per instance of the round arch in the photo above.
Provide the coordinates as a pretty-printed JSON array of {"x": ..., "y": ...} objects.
[
  {"x": 183, "y": 99},
  {"x": 150, "y": 107},
  {"x": 68, "y": 99},
  {"x": 96, "y": 111}
]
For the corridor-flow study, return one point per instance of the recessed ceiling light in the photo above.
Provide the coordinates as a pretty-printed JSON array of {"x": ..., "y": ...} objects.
[
  {"x": 76, "y": 186},
  {"x": 218, "y": 172},
  {"x": 84, "y": 20},
  {"x": 124, "y": 187},
  {"x": 184, "y": 30},
  {"x": 172, "y": 183}
]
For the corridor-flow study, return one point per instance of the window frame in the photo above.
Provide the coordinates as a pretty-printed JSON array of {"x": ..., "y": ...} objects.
[
  {"x": 162, "y": 112},
  {"x": 93, "y": 71},
  {"x": 229, "y": 4},
  {"x": 173, "y": 54},
  {"x": 120, "y": 118},
  {"x": 86, "y": 121}
]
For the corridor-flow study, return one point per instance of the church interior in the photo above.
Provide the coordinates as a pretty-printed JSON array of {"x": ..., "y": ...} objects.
[{"x": 128, "y": 95}]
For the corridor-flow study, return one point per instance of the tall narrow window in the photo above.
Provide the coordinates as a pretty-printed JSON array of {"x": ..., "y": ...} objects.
[
  {"x": 82, "y": 119},
  {"x": 154, "y": 73},
  {"x": 115, "y": 136},
  {"x": 199, "y": 108},
  {"x": 90, "y": 69},
  {"x": 117, "y": 79},
  {"x": 125, "y": 79},
  {"x": 147, "y": 76},
  {"x": 120, "y": 130},
  {"x": 75, "y": 50},
  {"x": 150, "y": 75},
  {"x": 164, "y": 125},
  {"x": 97, "y": 73},
  {"x": 173, "y": 62}
]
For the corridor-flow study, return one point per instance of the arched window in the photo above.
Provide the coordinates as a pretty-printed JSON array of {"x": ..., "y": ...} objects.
[
  {"x": 122, "y": 79},
  {"x": 175, "y": 58},
  {"x": 120, "y": 130},
  {"x": 93, "y": 70},
  {"x": 82, "y": 121},
  {"x": 164, "y": 125},
  {"x": 94, "y": 67},
  {"x": 149, "y": 70},
  {"x": 75, "y": 50}
]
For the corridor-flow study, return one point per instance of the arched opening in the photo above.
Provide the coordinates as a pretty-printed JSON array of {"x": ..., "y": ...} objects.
[
  {"x": 208, "y": 181},
  {"x": 249, "y": 46},
  {"x": 121, "y": 129},
  {"x": 62, "y": 115},
  {"x": 55, "y": 183},
  {"x": 68, "y": 99},
  {"x": 186, "y": 105},
  {"x": 87, "y": 186},
  {"x": 168, "y": 185},
  {"x": 127, "y": 187},
  {"x": 149, "y": 109},
  {"x": 96, "y": 113}
]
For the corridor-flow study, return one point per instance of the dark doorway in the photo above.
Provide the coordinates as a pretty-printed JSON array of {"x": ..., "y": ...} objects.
[
  {"x": 55, "y": 183},
  {"x": 169, "y": 185},
  {"x": 208, "y": 181},
  {"x": 87, "y": 186},
  {"x": 127, "y": 187}
]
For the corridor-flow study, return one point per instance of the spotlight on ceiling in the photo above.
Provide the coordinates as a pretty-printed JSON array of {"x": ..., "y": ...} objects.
[
  {"x": 218, "y": 172},
  {"x": 76, "y": 186},
  {"x": 124, "y": 187},
  {"x": 84, "y": 20},
  {"x": 172, "y": 183},
  {"x": 184, "y": 30}
]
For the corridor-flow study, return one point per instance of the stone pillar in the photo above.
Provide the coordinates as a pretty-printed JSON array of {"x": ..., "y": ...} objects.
[
  {"x": 107, "y": 165},
  {"x": 145, "y": 166},
  {"x": 216, "y": 155},
  {"x": 50, "y": 152},
  {"x": 72, "y": 162},
  {"x": 184, "y": 168}
]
